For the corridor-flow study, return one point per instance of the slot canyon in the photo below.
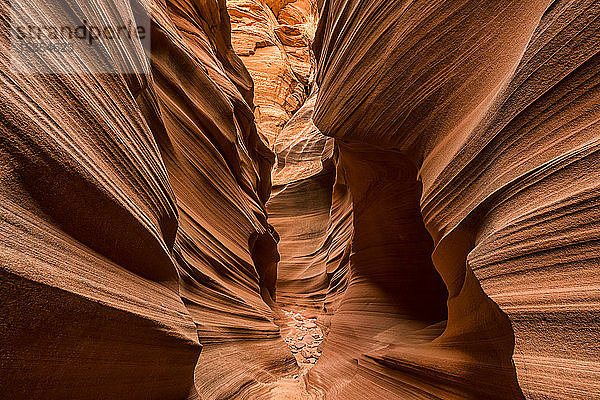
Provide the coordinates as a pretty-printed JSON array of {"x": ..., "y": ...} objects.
[{"x": 302, "y": 200}]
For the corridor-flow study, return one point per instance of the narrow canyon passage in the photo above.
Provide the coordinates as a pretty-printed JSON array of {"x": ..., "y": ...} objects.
[
  {"x": 274, "y": 41},
  {"x": 354, "y": 252},
  {"x": 377, "y": 241},
  {"x": 302, "y": 200}
]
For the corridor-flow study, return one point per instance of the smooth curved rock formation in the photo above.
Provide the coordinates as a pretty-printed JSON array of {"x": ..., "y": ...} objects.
[
  {"x": 299, "y": 209},
  {"x": 495, "y": 106},
  {"x": 134, "y": 225},
  {"x": 411, "y": 202}
]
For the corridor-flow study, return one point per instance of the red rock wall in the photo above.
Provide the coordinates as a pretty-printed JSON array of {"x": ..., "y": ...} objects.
[
  {"x": 299, "y": 209},
  {"x": 273, "y": 39},
  {"x": 133, "y": 225},
  {"x": 494, "y": 108},
  {"x": 439, "y": 217}
]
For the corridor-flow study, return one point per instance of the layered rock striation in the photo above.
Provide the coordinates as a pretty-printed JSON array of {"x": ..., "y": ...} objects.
[
  {"x": 481, "y": 118},
  {"x": 137, "y": 261},
  {"x": 415, "y": 183},
  {"x": 273, "y": 38}
]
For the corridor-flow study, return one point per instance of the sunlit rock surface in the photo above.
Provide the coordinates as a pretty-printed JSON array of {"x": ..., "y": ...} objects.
[
  {"x": 273, "y": 38},
  {"x": 274, "y": 41}
]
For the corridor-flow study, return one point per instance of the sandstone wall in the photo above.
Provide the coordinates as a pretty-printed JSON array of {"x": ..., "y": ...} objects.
[
  {"x": 273, "y": 38},
  {"x": 133, "y": 222},
  {"x": 434, "y": 202},
  {"x": 493, "y": 108}
]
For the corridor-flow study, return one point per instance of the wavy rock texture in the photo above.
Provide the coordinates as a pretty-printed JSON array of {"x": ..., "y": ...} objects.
[
  {"x": 273, "y": 38},
  {"x": 492, "y": 108},
  {"x": 133, "y": 223},
  {"x": 299, "y": 209},
  {"x": 435, "y": 201}
]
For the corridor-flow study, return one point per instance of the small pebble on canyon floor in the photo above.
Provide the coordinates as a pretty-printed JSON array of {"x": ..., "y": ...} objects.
[{"x": 303, "y": 337}]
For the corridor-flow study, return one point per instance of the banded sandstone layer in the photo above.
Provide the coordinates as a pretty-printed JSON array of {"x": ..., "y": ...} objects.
[
  {"x": 439, "y": 217},
  {"x": 134, "y": 233},
  {"x": 480, "y": 119}
]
